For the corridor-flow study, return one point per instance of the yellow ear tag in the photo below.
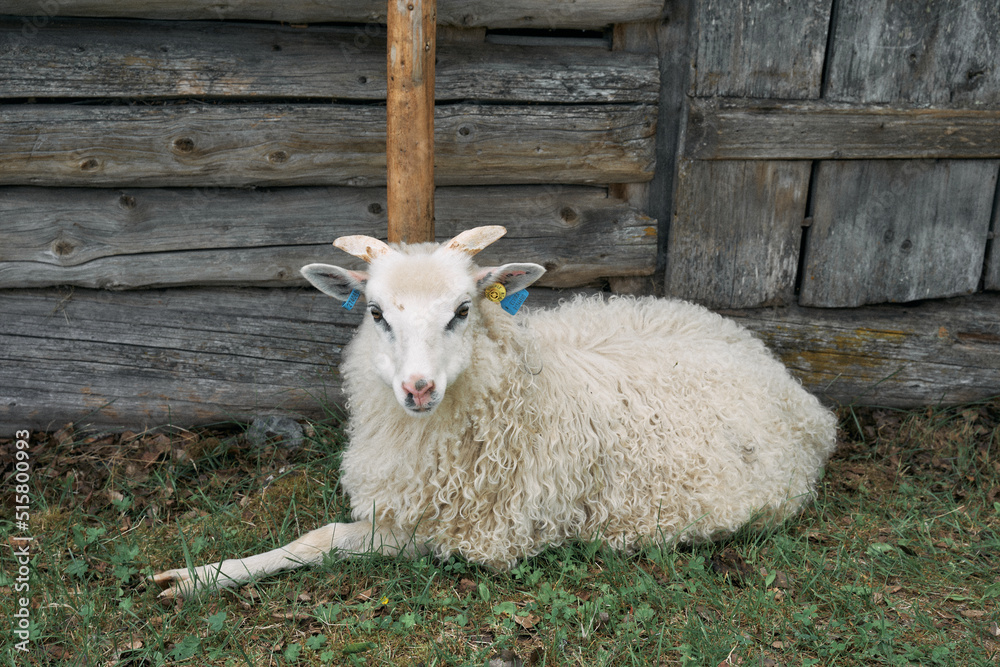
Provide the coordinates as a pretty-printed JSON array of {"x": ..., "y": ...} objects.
[{"x": 496, "y": 292}]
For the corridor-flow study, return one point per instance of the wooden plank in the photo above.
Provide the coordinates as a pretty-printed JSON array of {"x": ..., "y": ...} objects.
[
  {"x": 196, "y": 356},
  {"x": 735, "y": 236},
  {"x": 761, "y": 48},
  {"x": 921, "y": 53},
  {"x": 675, "y": 38},
  {"x": 178, "y": 356},
  {"x": 897, "y": 231},
  {"x": 929, "y": 353},
  {"x": 152, "y": 237},
  {"x": 544, "y": 14},
  {"x": 301, "y": 144},
  {"x": 730, "y": 129},
  {"x": 410, "y": 57},
  {"x": 155, "y": 60}
]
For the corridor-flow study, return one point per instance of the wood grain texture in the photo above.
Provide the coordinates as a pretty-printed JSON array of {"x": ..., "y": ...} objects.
[
  {"x": 156, "y": 60},
  {"x": 761, "y": 48},
  {"x": 735, "y": 236},
  {"x": 895, "y": 231},
  {"x": 731, "y": 129},
  {"x": 131, "y": 238},
  {"x": 409, "y": 106},
  {"x": 178, "y": 356},
  {"x": 299, "y": 144},
  {"x": 922, "y": 53},
  {"x": 463, "y": 13},
  {"x": 925, "y": 354},
  {"x": 197, "y": 356}
]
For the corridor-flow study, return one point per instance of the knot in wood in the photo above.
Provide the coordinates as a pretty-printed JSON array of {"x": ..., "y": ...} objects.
[
  {"x": 184, "y": 145},
  {"x": 62, "y": 247},
  {"x": 90, "y": 164},
  {"x": 569, "y": 215},
  {"x": 278, "y": 157},
  {"x": 126, "y": 202}
]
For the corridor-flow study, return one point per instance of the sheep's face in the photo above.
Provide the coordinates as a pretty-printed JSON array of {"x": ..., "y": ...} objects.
[
  {"x": 422, "y": 307},
  {"x": 423, "y": 303}
]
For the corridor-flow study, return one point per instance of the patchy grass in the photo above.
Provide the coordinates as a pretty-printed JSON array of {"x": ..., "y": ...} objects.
[{"x": 896, "y": 563}]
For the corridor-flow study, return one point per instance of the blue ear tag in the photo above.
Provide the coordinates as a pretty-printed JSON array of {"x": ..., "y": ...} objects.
[
  {"x": 513, "y": 302},
  {"x": 352, "y": 299}
]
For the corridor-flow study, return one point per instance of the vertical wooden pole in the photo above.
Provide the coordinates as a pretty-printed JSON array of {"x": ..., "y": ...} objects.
[{"x": 410, "y": 119}]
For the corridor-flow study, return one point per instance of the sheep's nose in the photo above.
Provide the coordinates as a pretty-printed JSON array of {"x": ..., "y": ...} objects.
[{"x": 419, "y": 388}]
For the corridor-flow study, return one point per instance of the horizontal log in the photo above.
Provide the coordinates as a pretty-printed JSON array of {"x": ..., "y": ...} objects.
[
  {"x": 734, "y": 129},
  {"x": 926, "y": 353},
  {"x": 170, "y": 237},
  {"x": 197, "y": 356},
  {"x": 465, "y": 13},
  {"x": 178, "y": 356},
  {"x": 300, "y": 144},
  {"x": 154, "y": 60}
]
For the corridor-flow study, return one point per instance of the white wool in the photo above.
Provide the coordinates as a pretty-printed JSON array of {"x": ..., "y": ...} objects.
[{"x": 622, "y": 419}]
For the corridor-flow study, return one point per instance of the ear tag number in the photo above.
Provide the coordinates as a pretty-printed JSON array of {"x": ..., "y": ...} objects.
[
  {"x": 514, "y": 302},
  {"x": 352, "y": 299},
  {"x": 496, "y": 292}
]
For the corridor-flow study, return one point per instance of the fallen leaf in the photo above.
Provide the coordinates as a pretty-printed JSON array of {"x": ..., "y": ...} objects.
[
  {"x": 782, "y": 580},
  {"x": 134, "y": 645},
  {"x": 972, "y": 613},
  {"x": 730, "y": 564},
  {"x": 466, "y": 586},
  {"x": 365, "y": 595},
  {"x": 506, "y": 658},
  {"x": 58, "y": 652},
  {"x": 994, "y": 630},
  {"x": 527, "y": 622}
]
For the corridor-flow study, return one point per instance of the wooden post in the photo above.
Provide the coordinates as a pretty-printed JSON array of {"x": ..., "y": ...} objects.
[{"x": 410, "y": 119}]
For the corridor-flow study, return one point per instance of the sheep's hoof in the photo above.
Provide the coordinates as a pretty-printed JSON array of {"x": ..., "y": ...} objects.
[{"x": 175, "y": 583}]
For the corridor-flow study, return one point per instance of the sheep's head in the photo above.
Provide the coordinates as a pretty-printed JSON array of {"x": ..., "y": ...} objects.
[{"x": 423, "y": 301}]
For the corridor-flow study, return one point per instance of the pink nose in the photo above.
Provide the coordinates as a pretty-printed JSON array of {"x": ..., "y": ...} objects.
[{"x": 419, "y": 388}]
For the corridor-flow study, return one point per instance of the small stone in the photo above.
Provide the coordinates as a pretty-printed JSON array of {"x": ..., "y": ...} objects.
[{"x": 274, "y": 429}]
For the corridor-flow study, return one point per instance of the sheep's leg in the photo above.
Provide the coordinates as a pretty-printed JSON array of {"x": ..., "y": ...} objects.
[{"x": 347, "y": 538}]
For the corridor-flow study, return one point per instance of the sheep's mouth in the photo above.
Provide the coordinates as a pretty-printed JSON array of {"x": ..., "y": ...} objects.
[{"x": 420, "y": 410}]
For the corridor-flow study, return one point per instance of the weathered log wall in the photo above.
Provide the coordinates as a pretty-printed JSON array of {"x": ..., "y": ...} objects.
[
  {"x": 202, "y": 355},
  {"x": 794, "y": 164},
  {"x": 846, "y": 95}
]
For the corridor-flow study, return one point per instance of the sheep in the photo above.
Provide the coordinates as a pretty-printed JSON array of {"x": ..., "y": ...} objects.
[{"x": 493, "y": 436}]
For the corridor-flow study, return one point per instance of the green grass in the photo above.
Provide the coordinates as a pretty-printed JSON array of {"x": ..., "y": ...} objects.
[{"x": 896, "y": 563}]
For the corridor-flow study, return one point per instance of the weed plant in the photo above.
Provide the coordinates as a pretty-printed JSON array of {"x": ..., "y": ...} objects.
[{"x": 895, "y": 563}]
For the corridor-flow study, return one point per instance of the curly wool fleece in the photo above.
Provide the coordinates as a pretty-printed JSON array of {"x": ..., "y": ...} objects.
[{"x": 621, "y": 419}]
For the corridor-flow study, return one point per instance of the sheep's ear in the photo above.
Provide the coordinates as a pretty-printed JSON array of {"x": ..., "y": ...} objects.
[
  {"x": 335, "y": 281},
  {"x": 514, "y": 277}
]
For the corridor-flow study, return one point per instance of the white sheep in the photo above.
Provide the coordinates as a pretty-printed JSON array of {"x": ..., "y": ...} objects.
[{"x": 494, "y": 436}]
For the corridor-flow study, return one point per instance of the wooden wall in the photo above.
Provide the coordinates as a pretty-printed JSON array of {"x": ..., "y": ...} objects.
[{"x": 166, "y": 168}]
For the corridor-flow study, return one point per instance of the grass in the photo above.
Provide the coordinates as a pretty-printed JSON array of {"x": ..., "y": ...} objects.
[{"x": 896, "y": 563}]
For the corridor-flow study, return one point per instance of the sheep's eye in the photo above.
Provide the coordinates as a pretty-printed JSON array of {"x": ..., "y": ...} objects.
[
  {"x": 376, "y": 313},
  {"x": 460, "y": 314}
]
